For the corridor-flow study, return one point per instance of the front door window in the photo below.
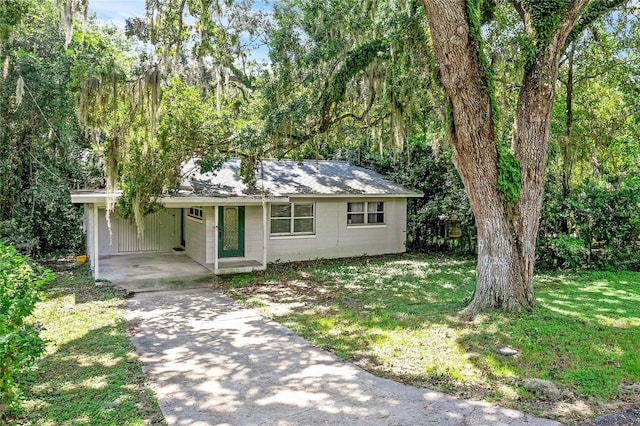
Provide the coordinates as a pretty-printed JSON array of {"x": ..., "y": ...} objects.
[
  {"x": 231, "y": 225},
  {"x": 230, "y": 229}
]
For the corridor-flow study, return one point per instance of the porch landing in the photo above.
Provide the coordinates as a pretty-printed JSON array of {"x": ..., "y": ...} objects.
[{"x": 237, "y": 266}]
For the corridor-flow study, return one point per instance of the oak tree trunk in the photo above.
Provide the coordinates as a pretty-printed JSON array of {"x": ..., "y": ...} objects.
[{"x": 507, "y": 231}]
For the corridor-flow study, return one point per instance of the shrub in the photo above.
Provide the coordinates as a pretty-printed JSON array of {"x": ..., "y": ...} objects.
[
  {"x": 603, "y": 216},
  {"x": 563, "y": 251},
  {"x": 20, "y": 343},
  {"x": 45, "y": 222}
]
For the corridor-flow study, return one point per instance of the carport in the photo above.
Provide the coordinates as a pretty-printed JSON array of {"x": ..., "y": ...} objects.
[
  {"x": 191, "y": 228},
  {"x": 147, "y": 269}
]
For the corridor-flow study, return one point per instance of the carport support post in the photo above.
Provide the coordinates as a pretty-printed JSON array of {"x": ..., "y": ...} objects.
[
  {"x": 264, "y": 232},
  {"x": 96, "y": 255},
  {"x": 215, "y": 240}
]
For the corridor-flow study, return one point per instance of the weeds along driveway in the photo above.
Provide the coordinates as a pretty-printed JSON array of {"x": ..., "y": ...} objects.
[{"x": 211, "y": 361}]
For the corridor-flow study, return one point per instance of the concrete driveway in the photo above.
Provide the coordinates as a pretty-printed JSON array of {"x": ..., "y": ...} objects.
[{"x": 213, "y": 362}]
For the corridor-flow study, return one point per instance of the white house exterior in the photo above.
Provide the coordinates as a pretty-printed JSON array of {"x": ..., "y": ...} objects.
[{"x": 296, "y": 211}]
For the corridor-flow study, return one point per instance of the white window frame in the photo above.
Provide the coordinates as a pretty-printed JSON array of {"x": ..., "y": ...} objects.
[
  {"x": 365, "y": 213},
  {"x": 195, "y": 213},
  {"x": 292, "y": 219}
]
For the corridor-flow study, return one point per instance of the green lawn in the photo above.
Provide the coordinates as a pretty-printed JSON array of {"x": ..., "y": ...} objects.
[
  {"x": 397, "y": 317},
  {"x": 90, "y": 374}
]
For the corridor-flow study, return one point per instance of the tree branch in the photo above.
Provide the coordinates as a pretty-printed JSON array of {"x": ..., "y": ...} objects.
[
  {"x": 565, "y": 27},
  {"x": 592, "y": 12},
  {"x": 524, "y": 15}
]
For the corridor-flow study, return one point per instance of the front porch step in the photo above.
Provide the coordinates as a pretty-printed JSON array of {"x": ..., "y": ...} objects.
[{"x": 238, "y": 266}]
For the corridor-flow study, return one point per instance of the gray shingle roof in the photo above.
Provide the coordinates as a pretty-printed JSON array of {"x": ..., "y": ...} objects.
[{"x": 280, "y": 178}]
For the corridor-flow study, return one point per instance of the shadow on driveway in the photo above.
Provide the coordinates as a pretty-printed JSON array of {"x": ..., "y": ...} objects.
[{"x": 211, "y": 361}]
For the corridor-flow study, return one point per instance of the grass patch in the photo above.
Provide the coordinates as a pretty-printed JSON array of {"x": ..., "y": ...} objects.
[
  {"x": 397, "y": 316},
  {"x": 90, "y": 373}
]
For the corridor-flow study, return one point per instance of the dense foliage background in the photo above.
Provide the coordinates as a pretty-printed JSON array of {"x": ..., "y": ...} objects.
[{"x": 86, "y": 104}]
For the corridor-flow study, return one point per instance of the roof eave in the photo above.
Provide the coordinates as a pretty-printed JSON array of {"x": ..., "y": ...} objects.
[
  {"x": 91, "y": 197},
  {"x": 409, "y": 194},
  {"x": 100, "y": 198},
  {"x": 186, "y": 201}
]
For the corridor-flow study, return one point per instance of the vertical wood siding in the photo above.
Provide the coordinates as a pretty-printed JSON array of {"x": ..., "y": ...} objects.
[{"x": 161, "y": 233}]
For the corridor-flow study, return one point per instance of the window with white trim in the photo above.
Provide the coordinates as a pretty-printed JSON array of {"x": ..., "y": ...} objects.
[
  {"x": 195, "y": 213},
  {"x": 292, "y": 219},
  {"x": 365, "y": 213}
]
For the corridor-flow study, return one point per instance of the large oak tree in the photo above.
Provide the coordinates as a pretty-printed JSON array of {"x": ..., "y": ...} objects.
[{"x": 504, "y": 182}]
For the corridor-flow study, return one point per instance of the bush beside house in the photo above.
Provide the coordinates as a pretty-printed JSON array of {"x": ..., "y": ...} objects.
[{"x": 20, "y": 342}]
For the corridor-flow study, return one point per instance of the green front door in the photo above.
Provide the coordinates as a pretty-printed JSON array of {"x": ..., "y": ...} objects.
[{"x": 231, "y": 231}]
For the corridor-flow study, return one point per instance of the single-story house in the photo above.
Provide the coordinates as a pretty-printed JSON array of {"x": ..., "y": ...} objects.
[{"x": 296, "y": 211}]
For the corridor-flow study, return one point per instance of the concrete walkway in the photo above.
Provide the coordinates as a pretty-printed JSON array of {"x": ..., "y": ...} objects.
[{"x": 213, "y": 362}]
